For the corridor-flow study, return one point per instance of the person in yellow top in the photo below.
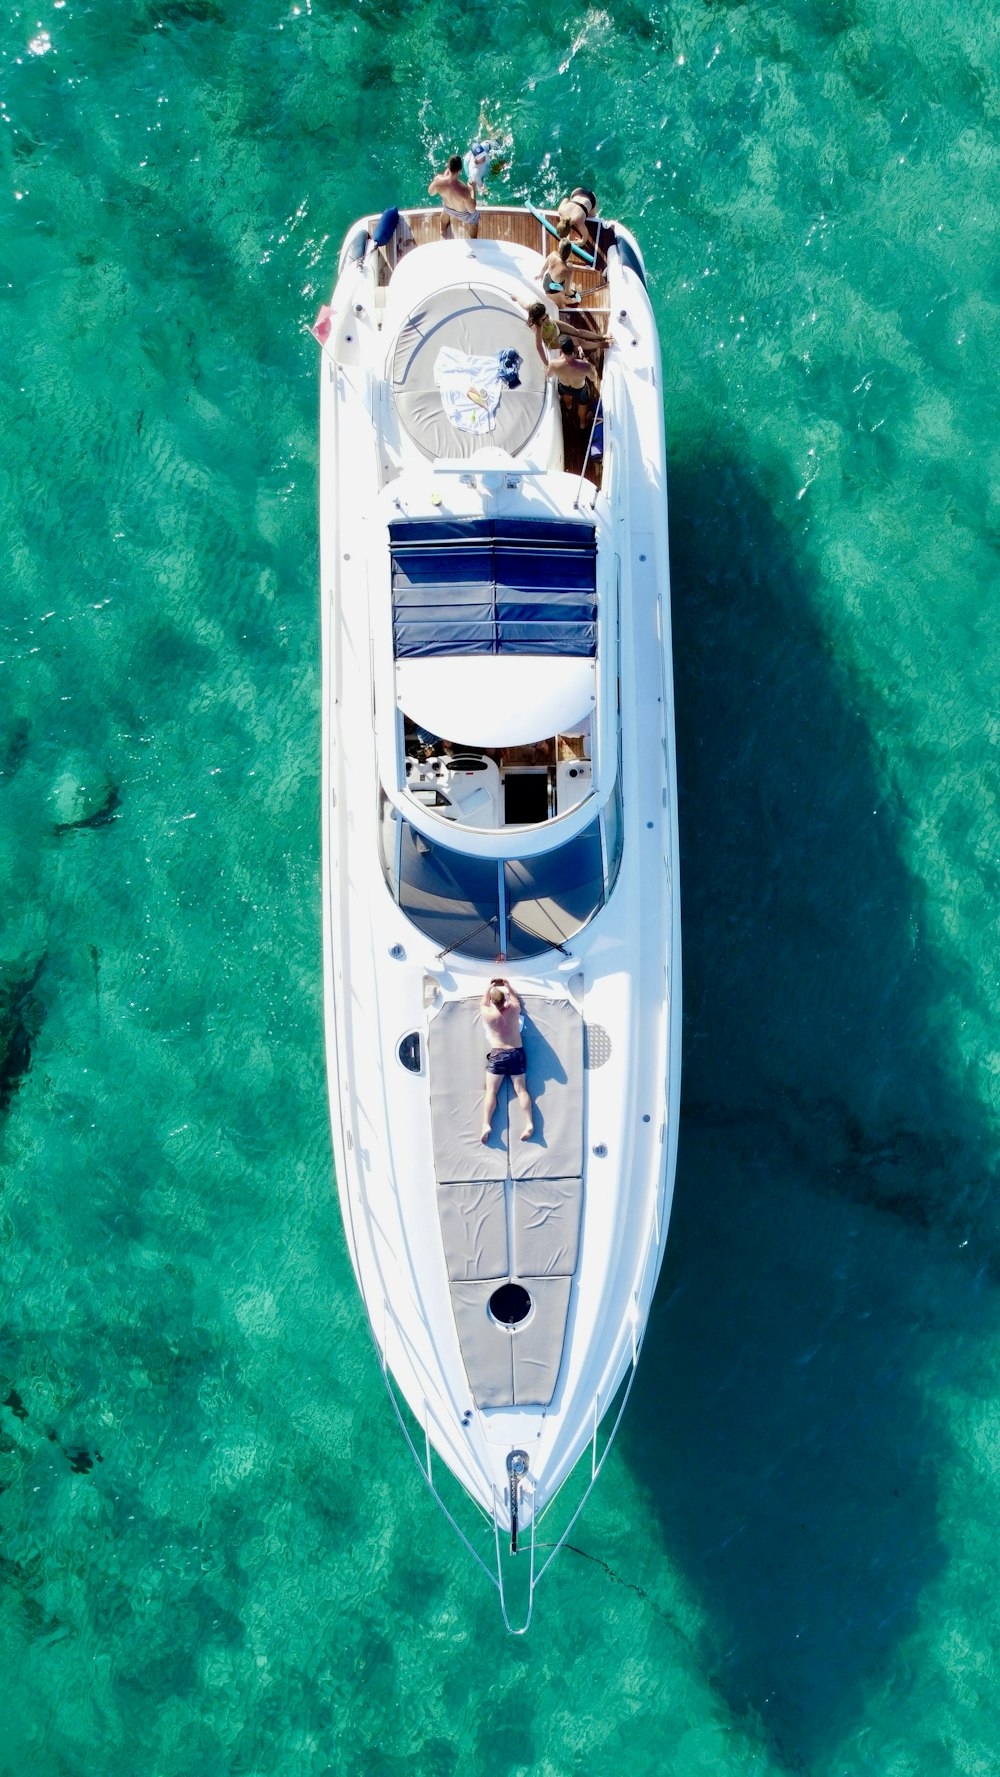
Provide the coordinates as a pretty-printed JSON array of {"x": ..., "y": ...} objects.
[{"x": 548, "y": 332}]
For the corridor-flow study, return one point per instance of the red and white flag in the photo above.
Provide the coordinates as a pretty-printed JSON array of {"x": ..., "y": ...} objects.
[{"x": 320, "y": 328}]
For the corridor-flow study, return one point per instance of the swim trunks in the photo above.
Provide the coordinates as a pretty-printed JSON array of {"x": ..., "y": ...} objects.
[
  {"x": 505, "y": 1061},
  {"x": 584, "y": 396},
  {"x": 466, "y": 216}
]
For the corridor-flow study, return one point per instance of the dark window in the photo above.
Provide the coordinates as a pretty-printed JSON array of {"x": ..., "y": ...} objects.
[
  {"x": 612, "y": 838},
  {"x": 526, "y": 797},
  {"x": 409, "y": 1051}
]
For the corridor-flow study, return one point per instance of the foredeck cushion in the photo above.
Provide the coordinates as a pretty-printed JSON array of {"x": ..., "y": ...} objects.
[
  {"x": 474, "y": 1229},
  {"x": 512, "y": 1369},
  {"x": 546, "y": 1227},
  {"x": 456, "y": 1051},
  {"x": 486, "y": 1348},
  {"x": 505, "y": 1367},
  {"x": 538, "y": 1344},
  {"x": 553, "y": 1043}
]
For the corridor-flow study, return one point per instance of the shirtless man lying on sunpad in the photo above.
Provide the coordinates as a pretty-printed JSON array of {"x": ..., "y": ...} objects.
[{"x": 501, "y": 1011}]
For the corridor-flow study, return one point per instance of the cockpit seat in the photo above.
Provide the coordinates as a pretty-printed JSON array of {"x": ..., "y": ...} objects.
[
  {"x": 461, "y": 787},
  {"x": 472, "y": 785}
]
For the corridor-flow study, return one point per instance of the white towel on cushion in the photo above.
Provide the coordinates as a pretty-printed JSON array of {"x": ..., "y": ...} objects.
[{"x": 470, "y": 388}]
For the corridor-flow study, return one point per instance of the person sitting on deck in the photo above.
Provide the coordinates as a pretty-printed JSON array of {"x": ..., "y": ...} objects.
[
  {"x": 458, "y": 200},
  {"x": 501, "y": 1014},
  {"x": 557, "y": 275},
  {"x": 576, "y": 379}
]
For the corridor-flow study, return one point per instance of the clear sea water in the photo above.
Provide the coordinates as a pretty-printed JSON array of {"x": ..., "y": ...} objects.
[{"x": 216, "y": 1556}]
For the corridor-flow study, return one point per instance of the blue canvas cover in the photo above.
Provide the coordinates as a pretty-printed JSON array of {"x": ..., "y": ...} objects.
[{"x": 494, "y": 586}]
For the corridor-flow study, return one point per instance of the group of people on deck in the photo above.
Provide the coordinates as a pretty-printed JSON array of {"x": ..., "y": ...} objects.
[{"x": 576, "y": 378}]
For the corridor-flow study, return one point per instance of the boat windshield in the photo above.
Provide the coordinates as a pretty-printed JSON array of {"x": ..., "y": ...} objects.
[{"x": 517, "y": 907}]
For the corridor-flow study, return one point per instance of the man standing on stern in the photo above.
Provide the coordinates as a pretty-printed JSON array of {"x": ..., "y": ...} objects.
[{"x": 458, "y": 200}]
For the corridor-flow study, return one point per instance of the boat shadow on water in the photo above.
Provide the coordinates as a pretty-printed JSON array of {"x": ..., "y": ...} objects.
[{"x": 834, "y": 1242}]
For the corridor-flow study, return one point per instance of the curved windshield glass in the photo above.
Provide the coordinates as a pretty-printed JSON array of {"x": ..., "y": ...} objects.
[
  {"x": 551, "y": 896},
  {"x": 511, "y": 907},
  {"x": 451, "y": 897},
  {"x": 613, "y": 838}
]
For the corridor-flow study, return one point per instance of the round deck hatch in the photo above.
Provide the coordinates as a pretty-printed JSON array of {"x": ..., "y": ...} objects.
[{"x": 510, "y": 1304}]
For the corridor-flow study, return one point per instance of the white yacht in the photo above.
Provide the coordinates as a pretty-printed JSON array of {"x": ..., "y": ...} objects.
[{"x": 499, "y": 799}]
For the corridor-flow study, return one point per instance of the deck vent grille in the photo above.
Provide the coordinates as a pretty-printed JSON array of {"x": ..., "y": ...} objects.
[{"x": 596, "y": 1046}]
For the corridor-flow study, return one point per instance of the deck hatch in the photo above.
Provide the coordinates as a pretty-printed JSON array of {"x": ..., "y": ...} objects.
[{"x": 494, "y": 586}]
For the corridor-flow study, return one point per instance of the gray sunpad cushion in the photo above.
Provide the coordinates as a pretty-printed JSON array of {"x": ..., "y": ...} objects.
[
  {"x": 553, "y": 1046},
  {"x": 456, "y": 1052},
  {"x": 456, "y": 1048},
  {"x": 546, "y": 1227},
  {"x": 519, "y": 1368},
  {"x": 474, "y": 1229},
  {"x": 486, "y": 1348},
  {"x": 538, "y": 1344},
  {"x": 478, "y": 322}
]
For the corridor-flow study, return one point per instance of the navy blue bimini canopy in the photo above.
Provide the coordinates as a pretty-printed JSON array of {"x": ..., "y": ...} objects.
[{"x": 493, "y": 586}]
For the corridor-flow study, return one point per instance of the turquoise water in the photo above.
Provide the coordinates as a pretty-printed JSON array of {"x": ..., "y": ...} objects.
[{"x": 216, "y": 1556}]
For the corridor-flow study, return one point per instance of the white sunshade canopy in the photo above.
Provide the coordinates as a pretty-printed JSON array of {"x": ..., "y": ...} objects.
[{"x": 491, "y": 700}]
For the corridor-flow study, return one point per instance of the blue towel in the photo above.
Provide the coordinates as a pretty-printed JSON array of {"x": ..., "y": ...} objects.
[{"x": 508, "y": 365}]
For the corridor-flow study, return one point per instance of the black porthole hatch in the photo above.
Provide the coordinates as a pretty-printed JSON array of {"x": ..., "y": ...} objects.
[
  {"x": 409, "y": 1051},
  {"x": 510, "y": 1304}
]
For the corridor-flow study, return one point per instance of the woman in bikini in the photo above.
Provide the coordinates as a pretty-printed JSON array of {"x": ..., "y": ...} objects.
[
  {"x": 556, "y": 275},
  {"x": 548, "y": 332},
  {"x": 577, "y": 210}
]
